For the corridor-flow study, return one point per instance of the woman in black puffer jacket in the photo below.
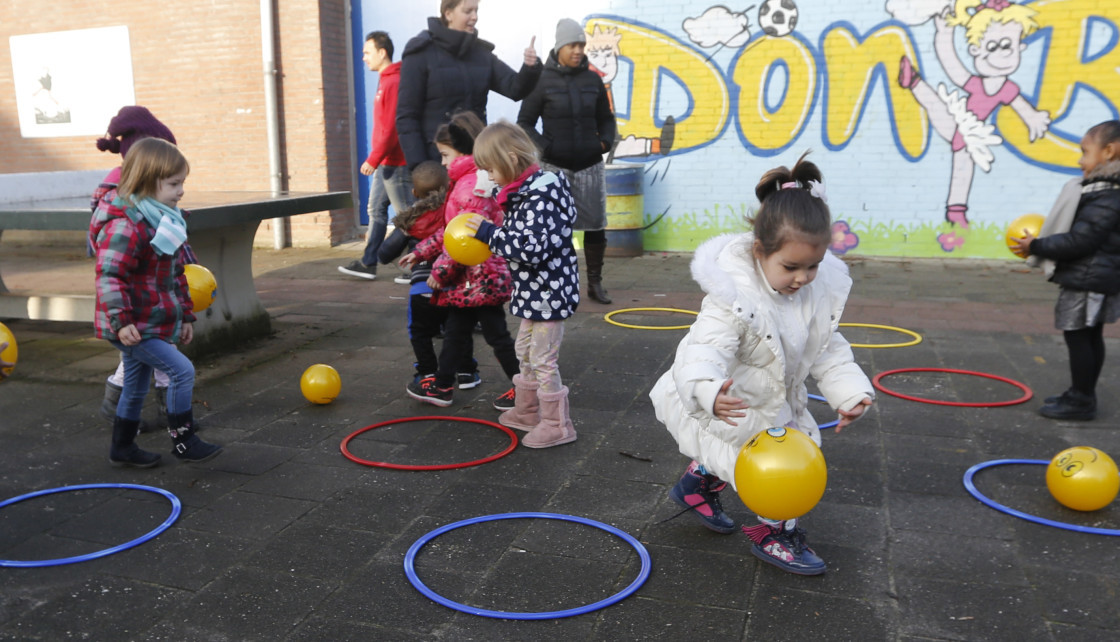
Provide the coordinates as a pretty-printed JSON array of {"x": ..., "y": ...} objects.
[
  {"x": 1088, "y": 271},
  {"x": 446, "y": 69},
  {"x": 578, "y": 128}
]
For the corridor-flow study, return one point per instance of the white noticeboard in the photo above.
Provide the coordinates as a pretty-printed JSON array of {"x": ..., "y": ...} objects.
[{"x": 71, "y": 83}]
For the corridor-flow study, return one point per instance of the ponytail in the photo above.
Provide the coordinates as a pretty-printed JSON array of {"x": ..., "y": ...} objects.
[
  {"x": 459, "y": 133},
  {"x": 792, "y": 204}
]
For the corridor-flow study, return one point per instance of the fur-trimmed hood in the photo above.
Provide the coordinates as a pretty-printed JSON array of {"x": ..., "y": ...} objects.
[
  {"x": 725, "y": 263},
  {"x": 1109, "y": 172},
  {"x": 706, "y": 270},
  {"x": 432, "y": 202}
]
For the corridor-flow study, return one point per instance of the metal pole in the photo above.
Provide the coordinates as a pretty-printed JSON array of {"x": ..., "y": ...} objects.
[{"x": 268, "y": 58}]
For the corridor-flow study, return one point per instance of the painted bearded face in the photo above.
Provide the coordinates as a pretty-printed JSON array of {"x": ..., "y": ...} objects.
[{"x": 605, "y": 62}]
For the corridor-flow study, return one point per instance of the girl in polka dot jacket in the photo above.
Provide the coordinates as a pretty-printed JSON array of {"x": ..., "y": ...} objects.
[{"x": 536, "y": 240}]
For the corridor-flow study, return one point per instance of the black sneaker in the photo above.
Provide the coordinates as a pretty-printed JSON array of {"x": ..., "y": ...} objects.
[
  {"x": 700, "y": 494},
  {"x": 427, "y": 391},
  {"x": 1071, "y": 405},
  {"x": 785, "y": 548},
  {"x": 402, "y": 279},
  {"x": 1056, "y": 398},
  {"x": 468, "y": 380},
  {"x": 505, "y": 401},
  {"x": 356, "y": 268}
]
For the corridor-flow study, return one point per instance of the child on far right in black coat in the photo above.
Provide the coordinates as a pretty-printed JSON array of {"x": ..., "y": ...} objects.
[{"x": 1087, "y": 269}]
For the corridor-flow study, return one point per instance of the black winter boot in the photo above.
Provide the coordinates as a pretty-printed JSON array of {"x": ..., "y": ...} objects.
[
  {"x": 124, "y": 451},
  {"x": 109, "y": 406},
  {"x": 188, "y": 447},
  {"x": 161, "y": 416},
  {"x": 1055, "y": 398},
  {"x": 1072, "y": 404},
  {"x": 593, "y": 253}
]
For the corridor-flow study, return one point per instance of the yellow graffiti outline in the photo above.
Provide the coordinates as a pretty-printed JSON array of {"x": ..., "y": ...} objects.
[{"x": 698, "y": 99}]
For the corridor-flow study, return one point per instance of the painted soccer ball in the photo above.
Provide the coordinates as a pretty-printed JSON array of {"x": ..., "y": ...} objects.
[{"x": 777, "y": 18}]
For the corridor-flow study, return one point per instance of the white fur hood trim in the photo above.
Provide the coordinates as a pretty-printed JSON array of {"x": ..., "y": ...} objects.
[
  {"x": 725, "y": 262},
  {"x": 707, "y": 271}
]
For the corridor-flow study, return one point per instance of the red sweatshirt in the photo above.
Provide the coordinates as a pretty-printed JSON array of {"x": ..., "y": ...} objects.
[{"x": 385, "y": 149}]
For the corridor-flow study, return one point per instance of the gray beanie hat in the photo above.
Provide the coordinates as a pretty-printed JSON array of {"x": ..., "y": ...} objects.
[{"x": 567, "y": 32}]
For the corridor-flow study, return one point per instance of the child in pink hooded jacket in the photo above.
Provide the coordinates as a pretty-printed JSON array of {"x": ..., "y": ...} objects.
[{"x": 473, "y": 294}]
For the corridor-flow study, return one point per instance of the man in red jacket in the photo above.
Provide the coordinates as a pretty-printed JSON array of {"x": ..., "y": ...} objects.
[{"x": 391, "y": 182}]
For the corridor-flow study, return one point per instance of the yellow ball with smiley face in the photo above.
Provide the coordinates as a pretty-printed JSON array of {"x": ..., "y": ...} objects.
[
  {"x": 1083, "y": 478},
  {"x": 780, "y": 473}
]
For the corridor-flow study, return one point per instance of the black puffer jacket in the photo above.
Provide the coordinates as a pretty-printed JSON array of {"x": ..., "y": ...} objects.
[
  {"x": 444, "y": 71},
  {"x": 576, "y": 113},
  {"x": 1088, "y": 256}
]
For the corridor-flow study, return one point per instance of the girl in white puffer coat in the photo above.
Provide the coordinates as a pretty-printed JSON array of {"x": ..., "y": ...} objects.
[{"x": 769, "y": 321}]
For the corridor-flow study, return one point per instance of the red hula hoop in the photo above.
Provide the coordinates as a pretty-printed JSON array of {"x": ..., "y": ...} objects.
[
  {"x": 1027, "y": 394},
  {"x": 466, "y": 464}
]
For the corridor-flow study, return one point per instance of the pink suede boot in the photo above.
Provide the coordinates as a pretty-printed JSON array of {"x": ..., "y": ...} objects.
[
  {"x": 526, "y": 412},
  {"x": 556, "y": 426}
]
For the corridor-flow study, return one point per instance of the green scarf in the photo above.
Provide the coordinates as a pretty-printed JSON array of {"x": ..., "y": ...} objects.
[{"x": 170, "y": 226}]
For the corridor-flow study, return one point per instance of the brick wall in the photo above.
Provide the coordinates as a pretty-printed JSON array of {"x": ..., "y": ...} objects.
[
  {"x": 198, "y": 67},
  {"x": 739, "y": 106}
]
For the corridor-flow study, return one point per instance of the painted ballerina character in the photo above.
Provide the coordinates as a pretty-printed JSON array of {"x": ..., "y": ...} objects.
[{"x": 995, "y": 30}]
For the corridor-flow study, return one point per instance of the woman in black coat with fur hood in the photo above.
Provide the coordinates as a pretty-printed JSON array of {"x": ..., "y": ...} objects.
[{"x": 446, "y": 69}]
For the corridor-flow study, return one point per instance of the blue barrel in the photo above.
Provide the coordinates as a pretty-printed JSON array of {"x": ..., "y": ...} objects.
[{"x": 625, "y": 209}]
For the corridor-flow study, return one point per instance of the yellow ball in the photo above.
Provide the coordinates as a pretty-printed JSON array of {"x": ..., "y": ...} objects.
[
  {"x": 780, "y": 474},
  {"x": 11, "y": 353},
  {"x": 1083, "y": 478},
  {"x": 320, "y": 384},
  {"x": 461, "y": 244},
  {"x": 203, "y": 288},
  {"x": 1029, "y": 222}
]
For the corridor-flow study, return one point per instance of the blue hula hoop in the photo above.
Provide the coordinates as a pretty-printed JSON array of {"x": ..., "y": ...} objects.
[
  {"x": 971, "y": 472},
  {"x": 831, "y": 424},
  {"x": 176, "y": 508},
  {"x": 410, "y": 568}
]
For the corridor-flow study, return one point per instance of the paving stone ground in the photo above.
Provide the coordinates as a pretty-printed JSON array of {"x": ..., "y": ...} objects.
[{"x": 283, "y": 538}]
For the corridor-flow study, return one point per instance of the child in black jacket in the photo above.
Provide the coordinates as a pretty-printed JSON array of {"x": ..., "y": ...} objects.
[
  {"x": 1088, "y": 271},
  {"x": 422, "y": 219}
]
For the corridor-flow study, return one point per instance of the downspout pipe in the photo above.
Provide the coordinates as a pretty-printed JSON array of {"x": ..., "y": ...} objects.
[{"x": 268, "y": 58}]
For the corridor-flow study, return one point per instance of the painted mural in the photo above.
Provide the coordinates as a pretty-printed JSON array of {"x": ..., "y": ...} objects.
[{"x": 936, "y": 122}]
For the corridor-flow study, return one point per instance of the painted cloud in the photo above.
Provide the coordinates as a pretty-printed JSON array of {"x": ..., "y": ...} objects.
[{"x": 718, "y": 26}]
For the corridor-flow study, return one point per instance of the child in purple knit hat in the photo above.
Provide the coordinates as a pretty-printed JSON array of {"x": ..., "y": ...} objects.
[{"x": 130, "y": 125}]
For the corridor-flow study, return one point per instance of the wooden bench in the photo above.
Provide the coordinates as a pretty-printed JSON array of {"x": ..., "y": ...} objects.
[{"x": 222, "y": 227}]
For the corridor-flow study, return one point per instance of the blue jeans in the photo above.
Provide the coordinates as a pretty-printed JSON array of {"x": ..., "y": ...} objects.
[
  {"x": 390, "y": 185},
  {"x": 139, "y": 360}
]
